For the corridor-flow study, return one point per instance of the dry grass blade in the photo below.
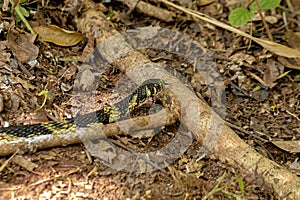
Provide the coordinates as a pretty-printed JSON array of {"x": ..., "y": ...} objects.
[
  {"x": 274, "y": 47},
  {"x": 5, "y": 163}
]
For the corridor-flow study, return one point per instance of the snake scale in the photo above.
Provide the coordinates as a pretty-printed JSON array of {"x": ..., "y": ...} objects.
[{"x": 105, "y": 115}]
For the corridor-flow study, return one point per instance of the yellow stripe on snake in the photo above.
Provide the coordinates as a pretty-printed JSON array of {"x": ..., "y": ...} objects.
[{"x": 106, "y": 115}]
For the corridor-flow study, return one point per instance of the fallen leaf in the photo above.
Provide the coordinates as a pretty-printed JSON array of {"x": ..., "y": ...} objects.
[
  {"x": 26, "y": 84},
  {"x": 143, "y": 134},
  {"x": 292, "y": 63},
  {"x": 90, "y": 46},
  {"x": 86, "y": 81},
  {"x": 278, "y": 49},
  {"x": 22, "y": 46},
  {"x": 241, "y": 57},
  {"x": 26, "y": 164},
  {"x": 271, "y": 73},
  {"x": 58, "y": 35},
  {"x": 271, "y": 19},
  {"x": 4, "y": 56},
  {"x": 295, "y": 5},
  {"x": 204, "y": 2},
  {"x": 293, "y": 39},
  {"x": 260, "y": 95},
  {"x": 3, "y": 45},
  {"x": 289, "y": 146}
]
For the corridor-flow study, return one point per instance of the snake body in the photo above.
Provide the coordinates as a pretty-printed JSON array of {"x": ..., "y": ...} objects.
[{"x": 106, "y": 115}]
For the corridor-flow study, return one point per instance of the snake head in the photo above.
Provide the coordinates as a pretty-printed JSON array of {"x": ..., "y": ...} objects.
[{"x": 153, "y": 86}]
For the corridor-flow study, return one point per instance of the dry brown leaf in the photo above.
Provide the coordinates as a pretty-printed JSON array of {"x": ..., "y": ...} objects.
[
  {"x": 295, "y": 4},
  {"x": 3, "y": 45},
  {"x": 276, "y": 48},
  {"x": 293, "y": 39},
  {"x": 235, "y": 3},
  {"x": 271, "y": 73},
  {"x": 204, "y": 2},
  {"x": 58, "y": 35},
  {"x": 22, "y": 45},
  {"x": 26, "y": 164},
  {"x": 289, "y": 146},
  {"x": 26, "y": 84},
  {"x": 4, "y": 56},
  {"x": 271, "y": 19},
  {"x": 292, "y": 63},
  {"x": 242, "y": 57}
]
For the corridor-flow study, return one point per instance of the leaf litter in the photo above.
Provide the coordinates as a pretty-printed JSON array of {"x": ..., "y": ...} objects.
[{"x": 272, "y": 118}]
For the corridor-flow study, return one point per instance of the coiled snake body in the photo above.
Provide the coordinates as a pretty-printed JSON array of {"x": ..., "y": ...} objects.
[{"x": 106, "y": 115}]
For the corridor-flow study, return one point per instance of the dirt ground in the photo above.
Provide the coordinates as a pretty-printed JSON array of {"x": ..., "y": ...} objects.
[{"x": 262, "y": 102}]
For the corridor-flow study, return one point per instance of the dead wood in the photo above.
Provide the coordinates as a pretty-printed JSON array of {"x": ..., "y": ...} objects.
[
  {"x": 150, "y": 10},
  {"x": 160, "y": 118}
]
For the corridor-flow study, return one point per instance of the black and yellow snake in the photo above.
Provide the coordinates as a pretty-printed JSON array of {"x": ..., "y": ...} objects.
[{"x": 106, "y": 115}]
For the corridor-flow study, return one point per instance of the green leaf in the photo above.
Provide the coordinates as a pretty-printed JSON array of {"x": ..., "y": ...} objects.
[
  {"x": 110, "y": 15},
  {"x": 44, "y": 93},
  {"x": 24, "y": 11},
  {"x": 252, "y": 7},
  {"x": 241, "y": 185},
  {"x": 18, "y": 19},
  {"x": 265, "y": 5},
  {"x": 240, "y": 16}
]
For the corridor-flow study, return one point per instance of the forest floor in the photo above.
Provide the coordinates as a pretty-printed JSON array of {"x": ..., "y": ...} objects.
[{"x": 262, "y": 102}]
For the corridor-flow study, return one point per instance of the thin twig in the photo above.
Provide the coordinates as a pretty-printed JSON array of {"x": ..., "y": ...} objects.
[{"x": 264, "y": 21}]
